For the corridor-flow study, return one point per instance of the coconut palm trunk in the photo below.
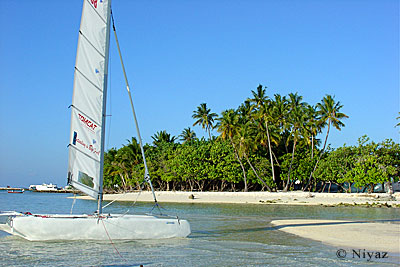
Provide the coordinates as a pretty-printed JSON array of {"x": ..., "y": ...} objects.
[
  {"x": 290, "y": 167},
  {"x": 270, "y": 151},
  {"x": 319, "y": 158},
  {"x": 255, "y": 172},
  {"x": 312, "y": 146},
  {"x": 241, "y": 164}
]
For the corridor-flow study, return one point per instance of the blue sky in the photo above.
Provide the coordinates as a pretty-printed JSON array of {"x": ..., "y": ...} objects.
[{"x": 179, "y": 54}]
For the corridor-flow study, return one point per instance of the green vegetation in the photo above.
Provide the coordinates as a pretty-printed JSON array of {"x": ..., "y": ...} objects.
[{"x": 267, "y": 143}]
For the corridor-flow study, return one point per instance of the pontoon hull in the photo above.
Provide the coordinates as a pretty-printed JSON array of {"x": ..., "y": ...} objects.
[{"x": 86, "y": 227}]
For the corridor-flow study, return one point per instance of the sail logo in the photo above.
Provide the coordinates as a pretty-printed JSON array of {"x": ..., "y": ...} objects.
[
  {"x": 94, "y": 3},
  {"x": 91, "y": 125},
  {"x": 89, "y": 147},
  {"x": 74, "y": 139}
]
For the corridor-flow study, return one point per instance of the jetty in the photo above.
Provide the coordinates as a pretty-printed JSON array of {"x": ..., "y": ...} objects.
[{"x": 12, "y": 188}]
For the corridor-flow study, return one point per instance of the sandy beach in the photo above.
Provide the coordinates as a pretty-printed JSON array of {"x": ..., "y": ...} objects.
[
  {"x": 283, "y": 198},
  {"x": 348, "y": 235}
]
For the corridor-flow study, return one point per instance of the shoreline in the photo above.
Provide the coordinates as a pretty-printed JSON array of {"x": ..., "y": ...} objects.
[
  {"x": 274, "y": 198},
  {"x": 348, "y": 235}
]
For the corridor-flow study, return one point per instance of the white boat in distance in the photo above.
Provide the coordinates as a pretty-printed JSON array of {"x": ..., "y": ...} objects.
[
  {"x": 43, "y": 187},
  {"x": 86, "y": 151}
]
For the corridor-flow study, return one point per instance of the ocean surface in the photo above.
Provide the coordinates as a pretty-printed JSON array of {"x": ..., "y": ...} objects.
[{"x": 222, "y": 235}]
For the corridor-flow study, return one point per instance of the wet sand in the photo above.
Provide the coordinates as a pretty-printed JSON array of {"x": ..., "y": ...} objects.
[{"x": 382, "y": 236}]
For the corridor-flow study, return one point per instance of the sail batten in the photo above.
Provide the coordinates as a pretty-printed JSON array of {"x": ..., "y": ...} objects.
[
  {"x": 87, "y": 79},
  {"x": 94, "y": 47},
  {"x": 87, "y": 155},
  {"x": 86, "y": 147}
]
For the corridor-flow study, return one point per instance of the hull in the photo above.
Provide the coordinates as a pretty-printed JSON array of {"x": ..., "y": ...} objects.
[{"x": 88, "y": 227}]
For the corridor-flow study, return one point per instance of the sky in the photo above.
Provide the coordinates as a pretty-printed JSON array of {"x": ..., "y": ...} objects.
[{"x": 181, "y": 53}]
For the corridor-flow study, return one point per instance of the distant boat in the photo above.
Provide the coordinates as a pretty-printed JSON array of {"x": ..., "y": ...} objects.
[
  {"x": 44, "y": 187},
  {"x": 86, "y": 152},
  {"x": 18, "y": 191}
]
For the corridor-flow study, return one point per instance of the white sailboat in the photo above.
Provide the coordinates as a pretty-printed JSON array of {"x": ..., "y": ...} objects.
[{"x": 86, "y": 151}]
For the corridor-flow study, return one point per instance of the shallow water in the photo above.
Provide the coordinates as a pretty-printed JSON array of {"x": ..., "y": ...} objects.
[{"x": 222, "y": 235}]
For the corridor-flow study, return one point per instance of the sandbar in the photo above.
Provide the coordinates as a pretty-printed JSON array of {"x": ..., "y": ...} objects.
[{"x": 378, "y": 236}]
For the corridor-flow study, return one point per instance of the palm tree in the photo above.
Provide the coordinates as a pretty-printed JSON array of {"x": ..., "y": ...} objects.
[
  {"x": 280, "y": 111},
  {"x": 245, "y": 111},
  {"x": 294, "y": 121},
  {"x": 313, "y": 126},
  {"x": 263, "y": 104},
  {"x": 296, "y": 118},
  {"x": 329, "y": 112},
  {"x": 296, "y": 101},
  {"x": 133, "y": 148},
  {"x": 124, "y": 161},
  {"x": 245, "y": 141},
  {"x": 268, "y": 133},
  {"x": 187, "y": 135},
  {"x": 162, "y": 137},
  {"x": 228, "y": 125},
  {"x": 259, "y": 96},
  {"x": 110, "y": 179},
  {"x": 204, "y": 117}
]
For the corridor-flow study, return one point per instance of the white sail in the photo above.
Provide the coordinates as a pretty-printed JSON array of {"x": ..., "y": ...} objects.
[
  {"x": 86, "y": 152},
  {"x": 88, "y": 101}
]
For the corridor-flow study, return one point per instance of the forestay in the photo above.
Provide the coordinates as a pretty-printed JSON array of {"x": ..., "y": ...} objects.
[{"x": 89, "y": 98}]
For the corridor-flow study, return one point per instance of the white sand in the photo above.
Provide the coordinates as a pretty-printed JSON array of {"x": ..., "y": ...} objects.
[
  {"x": 371, "y": 236},
  {"x": 291, "y": 198}
]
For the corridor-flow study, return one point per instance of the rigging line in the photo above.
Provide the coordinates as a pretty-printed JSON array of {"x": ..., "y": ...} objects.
[
  {"x": 73, "y": 203},
  {"x": 134, "y": 203},
  {"x": 112, "y": 243},
  {"x": 105, "y": 206},
  {"x": 146, "y": 173}
]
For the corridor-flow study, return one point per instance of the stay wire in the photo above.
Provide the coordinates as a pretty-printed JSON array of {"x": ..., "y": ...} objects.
[{"x": 137, "y": 127}]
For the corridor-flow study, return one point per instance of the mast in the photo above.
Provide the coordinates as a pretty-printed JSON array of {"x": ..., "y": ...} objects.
[
  {"x": 103, "y": 119},
  {"x": 146, "y": 170}
]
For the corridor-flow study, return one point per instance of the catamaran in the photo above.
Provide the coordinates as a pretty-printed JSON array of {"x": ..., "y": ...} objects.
[{"x": 86, "y": 151}]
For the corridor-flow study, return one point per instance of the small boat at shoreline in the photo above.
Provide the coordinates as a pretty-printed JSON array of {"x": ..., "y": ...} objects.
[{"x": 16, "y": 191}]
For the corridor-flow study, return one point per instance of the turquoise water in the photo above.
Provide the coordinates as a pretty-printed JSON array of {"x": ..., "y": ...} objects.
[{"x": 222, "y": 235}]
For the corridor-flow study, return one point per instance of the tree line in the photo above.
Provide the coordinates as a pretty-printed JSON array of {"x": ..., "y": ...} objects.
[{"x": 267, "y": 143}]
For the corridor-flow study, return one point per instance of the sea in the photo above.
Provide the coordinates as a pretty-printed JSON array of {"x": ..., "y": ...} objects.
[{"x": 222, "y": 235}]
